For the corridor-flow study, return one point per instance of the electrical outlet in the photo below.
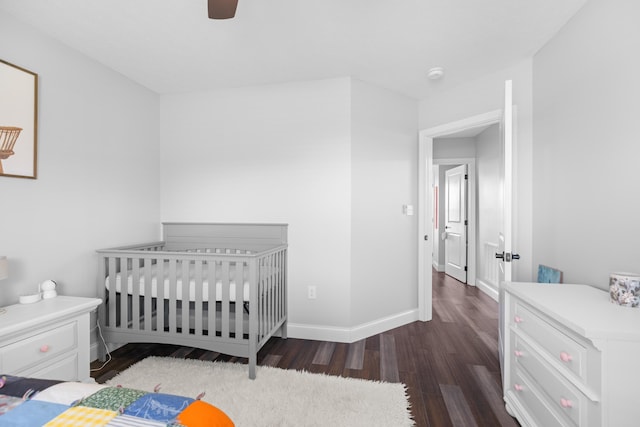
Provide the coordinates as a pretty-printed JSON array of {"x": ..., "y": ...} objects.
[{"x": 311, "y": 292}]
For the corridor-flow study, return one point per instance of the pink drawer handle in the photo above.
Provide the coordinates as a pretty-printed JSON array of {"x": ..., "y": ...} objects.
[
  {"x": 565, "y": 357},
  {"x": 44, "y": 348},
  {"x": 566, "y": 403},
  {"x": 518, "y": 353},
  {"x": 518, "y": 387},
  {"x": 518, "y": 319}
]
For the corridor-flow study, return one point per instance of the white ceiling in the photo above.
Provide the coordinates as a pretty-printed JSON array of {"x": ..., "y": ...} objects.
[{"x": 172, "y": 46}]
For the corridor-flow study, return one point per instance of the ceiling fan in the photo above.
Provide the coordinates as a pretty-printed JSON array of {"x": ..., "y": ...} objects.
[{"x": 222, "y": 9}]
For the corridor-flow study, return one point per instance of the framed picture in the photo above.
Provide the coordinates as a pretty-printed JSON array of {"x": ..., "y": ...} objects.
[{"x": 18, "y": 121}]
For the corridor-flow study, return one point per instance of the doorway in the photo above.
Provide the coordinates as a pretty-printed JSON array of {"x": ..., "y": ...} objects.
[{"x": 426, "y": 204}]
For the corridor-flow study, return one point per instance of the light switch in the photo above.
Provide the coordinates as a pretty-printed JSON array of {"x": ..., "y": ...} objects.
[{"x": 407, "y": 209}]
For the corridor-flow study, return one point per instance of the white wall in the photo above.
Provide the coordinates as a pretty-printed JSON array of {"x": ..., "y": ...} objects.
[
  {"x": 482, "y": 96},
  {"x": 454, "y": 148},
  {"x": 97, "y": 182},
  {"x": 586, "y": 194},
  {"x": 335, "y": 159},
  {"x": 270, "y": 154},
  {"x": 384, "y": 177}
]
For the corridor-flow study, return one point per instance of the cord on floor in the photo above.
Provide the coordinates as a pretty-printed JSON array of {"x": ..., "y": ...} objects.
[{"x": 105, "y": 348}]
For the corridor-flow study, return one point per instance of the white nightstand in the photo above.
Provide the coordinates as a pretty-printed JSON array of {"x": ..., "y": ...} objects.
[{"x": 47, "y": 339}]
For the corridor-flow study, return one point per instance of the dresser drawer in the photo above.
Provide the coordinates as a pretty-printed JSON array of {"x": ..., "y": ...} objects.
[
  {"x": 524, "y": 390},
  {"x": 569, "y": 354},
  {"x": 39, "y": 348},
  {"x": 567, "y": 399}
]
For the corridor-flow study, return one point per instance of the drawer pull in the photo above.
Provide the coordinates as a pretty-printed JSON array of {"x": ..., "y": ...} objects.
[
  {"x": 518, "y": 387},
  {"x": 565, "y": 357},
  {"x": 518, "y": 353},
  {"x": 517, "y": 319},
  {"x": 44, "y": 348},
  {"x": 566, "y": 403}
]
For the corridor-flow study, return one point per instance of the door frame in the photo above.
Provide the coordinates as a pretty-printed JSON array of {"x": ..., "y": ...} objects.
[{"x": 425, "y": 201}]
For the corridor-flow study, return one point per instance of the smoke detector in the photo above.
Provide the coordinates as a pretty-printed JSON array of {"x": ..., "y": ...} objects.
[{"x": 435, "y": 73}]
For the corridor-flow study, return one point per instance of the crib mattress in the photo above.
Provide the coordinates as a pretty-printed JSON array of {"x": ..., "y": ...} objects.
[{"x": 166, "y": 283}]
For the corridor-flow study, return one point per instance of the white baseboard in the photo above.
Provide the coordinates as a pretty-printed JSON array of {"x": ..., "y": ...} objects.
[
  {"x": 349, "y": 335},
  {"x": 93, "y": 350},
  {"x": 487, "y": 289}
]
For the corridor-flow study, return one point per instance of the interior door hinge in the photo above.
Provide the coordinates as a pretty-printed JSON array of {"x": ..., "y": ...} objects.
[
  {"x": 465, "y": 268},
  {"x": 466, "y": 176}
]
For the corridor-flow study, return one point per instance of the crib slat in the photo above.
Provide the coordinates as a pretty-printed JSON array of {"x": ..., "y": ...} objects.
[
  {"x": 212, "y": 306},
  {"x": 112, "y": 272},
  {"x": 161, "y": 313},
  {"x": 148, "y": 292},
  {"x": 224, "y": 278},
  {"x": 264, "y": 293},
  {"x": 135, "y": 295},
  {"x": 272, "y": 291},
  {"x": 124, "y": 300},
  {"x": 198, "y": 298},
  {"x": 279, "y": 291},
  {"x": 254, "y": 296},
  {"x": 185, "y": 295},
  {"x": 239, "y": 278},
  {"x": 171, "y": 309}
]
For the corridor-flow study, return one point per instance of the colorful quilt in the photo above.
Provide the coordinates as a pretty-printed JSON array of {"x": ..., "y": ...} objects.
[{"x": 30, "y": 402}]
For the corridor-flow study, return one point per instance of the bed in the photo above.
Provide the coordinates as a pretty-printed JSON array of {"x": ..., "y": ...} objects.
[
  {"x": 30, "y": 402},
  {"x": 217, "y": 286}
]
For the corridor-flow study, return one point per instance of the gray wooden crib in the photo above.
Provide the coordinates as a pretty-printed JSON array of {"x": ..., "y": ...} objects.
[{"x": 219, "y": 287}]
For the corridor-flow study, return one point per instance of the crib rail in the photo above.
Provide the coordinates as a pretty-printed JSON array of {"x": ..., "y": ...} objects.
[{"x": 221, "y": 299}]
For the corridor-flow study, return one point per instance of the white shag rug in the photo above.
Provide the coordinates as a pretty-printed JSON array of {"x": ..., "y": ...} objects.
[{"x": 277, "y": 397}]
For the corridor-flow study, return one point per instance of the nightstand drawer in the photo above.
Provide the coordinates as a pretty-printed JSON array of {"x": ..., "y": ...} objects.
[
  {"x": 563, "y": 396},
  {"x": 65, "y": 367},
  {"x": 569, "y": 354},
  {"x": 39, "y": 348}
]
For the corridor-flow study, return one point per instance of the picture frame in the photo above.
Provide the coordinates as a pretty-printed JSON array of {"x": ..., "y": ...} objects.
[{"x": 18, "y": 121}]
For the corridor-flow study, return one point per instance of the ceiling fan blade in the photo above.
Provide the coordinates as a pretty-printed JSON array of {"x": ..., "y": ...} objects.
[{"x": 222, "y": 9}]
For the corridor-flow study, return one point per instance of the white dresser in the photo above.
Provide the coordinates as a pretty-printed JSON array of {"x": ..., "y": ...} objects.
[
  {"x": 47, "y": 339},
  {"x": 571, "y": 357}
]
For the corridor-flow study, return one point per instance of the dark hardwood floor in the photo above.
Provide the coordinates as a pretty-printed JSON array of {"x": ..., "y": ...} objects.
[{"x": 450, "y": 364}]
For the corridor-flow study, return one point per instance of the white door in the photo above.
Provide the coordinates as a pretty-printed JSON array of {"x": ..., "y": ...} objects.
[
  {"x": 505, "y": 252},
  {"x": 455, "y": 216}
]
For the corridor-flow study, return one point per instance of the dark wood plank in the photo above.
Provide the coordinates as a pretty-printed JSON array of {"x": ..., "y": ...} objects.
[
  {"x": 271, "y": 360},
  {"x": 324, "y": 353},
  {"x": 355, "y": 357},
  {"x": 457, "y": 406},
  {"x": 493, "y": 393},
  {"x": 388, "y": 359}
]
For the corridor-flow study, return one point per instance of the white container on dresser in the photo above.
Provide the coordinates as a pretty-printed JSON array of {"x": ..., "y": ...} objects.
[
  {"x": 47, "y": 339},
  {"x": 571, "y": 356}
]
